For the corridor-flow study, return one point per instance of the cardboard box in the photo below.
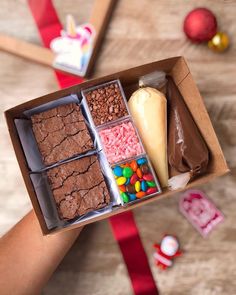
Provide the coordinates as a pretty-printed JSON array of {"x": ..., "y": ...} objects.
[{"x": 179, "y": 70}]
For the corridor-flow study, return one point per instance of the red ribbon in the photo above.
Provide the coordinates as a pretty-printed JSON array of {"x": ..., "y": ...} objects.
[
  {"x": 49, "y": 27},
  {"x": 127, "y": 234},
  {"x": 123, "y": 225}
]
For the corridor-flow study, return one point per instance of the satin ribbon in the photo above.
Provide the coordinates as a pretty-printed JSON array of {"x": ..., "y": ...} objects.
[
  {"x": 123, "y": 225},
  {"x": 49, "y": 27},
  {"x": 127, "y": 235}
]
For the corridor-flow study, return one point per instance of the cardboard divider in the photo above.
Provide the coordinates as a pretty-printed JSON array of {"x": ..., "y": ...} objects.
[{"x": 178, "y": 69}]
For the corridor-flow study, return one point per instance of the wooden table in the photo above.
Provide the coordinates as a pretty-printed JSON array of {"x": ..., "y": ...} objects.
[{"x": 140, "y": 32}]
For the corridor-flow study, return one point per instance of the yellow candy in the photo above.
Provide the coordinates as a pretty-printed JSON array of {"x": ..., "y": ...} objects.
[
  {"x": 121, "y": 180},
  {"x": 137, "y": 186}
]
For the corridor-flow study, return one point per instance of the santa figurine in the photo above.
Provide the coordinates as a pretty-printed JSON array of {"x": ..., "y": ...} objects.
[{"x": 166, "y": 251}]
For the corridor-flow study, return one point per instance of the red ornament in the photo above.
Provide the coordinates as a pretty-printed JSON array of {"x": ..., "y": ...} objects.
[{"x": 200, "y": 25}]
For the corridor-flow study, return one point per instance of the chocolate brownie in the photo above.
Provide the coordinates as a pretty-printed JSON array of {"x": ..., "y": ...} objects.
[
  {"x": 78, "y": 187},
  {"x": 61, "y": 133},
  {"x": 106, "y": 103}
]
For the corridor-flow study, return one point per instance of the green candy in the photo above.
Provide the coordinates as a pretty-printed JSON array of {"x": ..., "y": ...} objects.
[
  {"x": 125, "y": 197},
  {"x": 127, "y": 172},
  {"x": 151, "y": 183}
]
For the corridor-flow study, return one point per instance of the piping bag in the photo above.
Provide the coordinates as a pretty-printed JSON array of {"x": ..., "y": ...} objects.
[
  {"x": 148, "y": 107},
  {"x": 187, "y": 151}
]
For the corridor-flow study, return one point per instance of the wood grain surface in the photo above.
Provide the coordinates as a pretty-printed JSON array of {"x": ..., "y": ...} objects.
[{"x": 140, "y": 32}]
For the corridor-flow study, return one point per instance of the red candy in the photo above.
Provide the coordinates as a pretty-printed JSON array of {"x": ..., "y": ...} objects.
[
  {"x": 148, "y": 177},
  {"x": 134, "y": 178},
  {"x": 151, "y": 190}
]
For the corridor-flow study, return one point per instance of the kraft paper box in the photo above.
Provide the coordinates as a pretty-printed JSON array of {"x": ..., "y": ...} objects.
[{"x": 33, "y": 171}]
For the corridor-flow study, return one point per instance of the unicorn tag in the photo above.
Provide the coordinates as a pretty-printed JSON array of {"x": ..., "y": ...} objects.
[{"x": 73, "y": 48}]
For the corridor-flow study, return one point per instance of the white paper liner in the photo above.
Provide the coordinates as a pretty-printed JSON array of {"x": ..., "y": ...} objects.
[
  {"x": 27, "y": 138},
  {"x": 46, "y": 200},
  {"x": 52, "y": 104}
]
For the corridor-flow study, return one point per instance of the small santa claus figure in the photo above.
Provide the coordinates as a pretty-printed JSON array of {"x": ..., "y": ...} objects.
[{"x": 166, "y": 251}]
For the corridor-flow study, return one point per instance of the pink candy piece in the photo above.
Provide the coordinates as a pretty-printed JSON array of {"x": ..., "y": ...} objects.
[
  {"x": 120, "y": 142},
  {"x": 200, "y": 211}
]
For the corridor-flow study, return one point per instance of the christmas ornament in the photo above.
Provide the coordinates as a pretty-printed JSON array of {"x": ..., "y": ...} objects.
[
  {"x": 219, "y": 43},
  {"x": 200, "y": 211},
  {"x": 200, "y": 25},
  {"x": 166, "y": 251}
]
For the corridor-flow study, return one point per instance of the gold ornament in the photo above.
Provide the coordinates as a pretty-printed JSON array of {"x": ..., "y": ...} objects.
[{"x": 219, "y": 43}]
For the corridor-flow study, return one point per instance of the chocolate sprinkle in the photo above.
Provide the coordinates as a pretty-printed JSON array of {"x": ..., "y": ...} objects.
[{"x": 106, "y": 103}]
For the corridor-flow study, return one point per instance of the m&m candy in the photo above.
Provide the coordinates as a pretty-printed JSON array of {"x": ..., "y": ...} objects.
[
  {"x": 118, "y": 171},
  {"x": 125, "y": 197},
  {"x": 127, "y": 172},
  {"x": 121, "y": 180},
  {"x": 135, "y": 179},
  {"x": 137, "y": 186},
  {"x": 141, "y": 161}
]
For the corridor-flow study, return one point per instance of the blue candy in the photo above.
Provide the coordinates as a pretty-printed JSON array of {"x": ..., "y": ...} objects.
[
  {"x": 142, "y": 161},
  {"x": 127, "y": 181},
  {"x": 132, "y": 197},
  {"x": 144, "y": 186},
  {"x": 118, "y": 171}
]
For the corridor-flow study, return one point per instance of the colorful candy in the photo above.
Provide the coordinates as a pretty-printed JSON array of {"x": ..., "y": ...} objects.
[
  {"x": 141, "y": 161},
  {"x": 144, "y": 186},
  {"x": 127, "y": 181},
  {"x": 144, "y": 168},
  {"x": 118, "y": 171},
  {"x": 134, "y": 165},
  {"x": 151, "y": 183},
  {"x": 130, "y": 189},
  {"x": 137, "y": 186},
  {"x": 122, "y": 188},
  {"x": 140, "y": 195},
  {"x": 132, "y": 197},
  {"x": 151, "y": 190},
  {"x": 125, "y": 197},
  {"x": 139, "y": 173},
  {"x": 134, "y": 179},
  {"x": 121, "y": 180},
  {"x": 127, "y": 172},
  {"x": 148, "y": 177}
]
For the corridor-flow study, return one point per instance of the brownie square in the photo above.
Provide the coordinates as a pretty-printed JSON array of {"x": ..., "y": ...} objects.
[
  {"x": 106, "y": 103},
  {"x": 61, "y": 133},
  {"x": 78, "y": 187}
]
